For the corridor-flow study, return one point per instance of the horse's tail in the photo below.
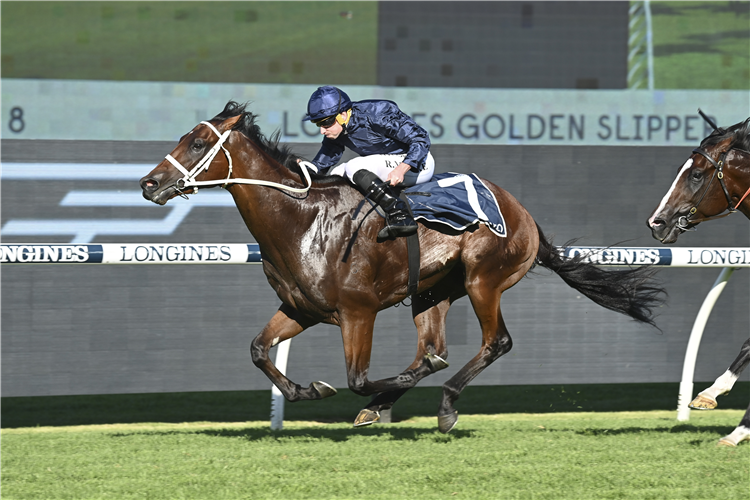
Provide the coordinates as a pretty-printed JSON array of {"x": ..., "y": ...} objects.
[{"x": 633, "y": 291}]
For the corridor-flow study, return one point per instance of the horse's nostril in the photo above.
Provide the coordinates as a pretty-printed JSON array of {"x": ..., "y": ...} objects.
[
  {"x": 149, "y": 184},
  {"x": 657, "y": 223}
]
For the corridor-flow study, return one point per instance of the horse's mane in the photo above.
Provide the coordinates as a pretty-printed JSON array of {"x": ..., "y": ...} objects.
[
  {"x": 739, "y": 133},
  {"x": 271, "y": 146}
]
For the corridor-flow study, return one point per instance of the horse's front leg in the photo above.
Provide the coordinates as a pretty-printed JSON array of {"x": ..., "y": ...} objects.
[
  {"x": 357, "y": 331},
  {"x": 706, "y": 400},
  {"x": 429, "y": 311},
  {"x": 285, "y": 324}
]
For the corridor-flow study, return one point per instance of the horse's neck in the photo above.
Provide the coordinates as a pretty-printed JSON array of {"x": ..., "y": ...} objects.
[
  {"x": 741, "y": 177},
  {"x": 276, "y": 217},
  {"x": 264, "y": 206},
  {"x": 254, "y": 163}
]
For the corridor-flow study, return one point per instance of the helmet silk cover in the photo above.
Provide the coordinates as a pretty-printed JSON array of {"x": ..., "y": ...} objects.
[{"x": 327, "y": 101}]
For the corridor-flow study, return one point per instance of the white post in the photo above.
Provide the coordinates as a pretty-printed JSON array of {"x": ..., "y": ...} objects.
[
  {"x": 688, "y": 368},
  {"x": 277, "y": 399}
]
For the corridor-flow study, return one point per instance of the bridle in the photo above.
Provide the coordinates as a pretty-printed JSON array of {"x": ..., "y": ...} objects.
[
  {"x": 685, "y": 222},
  {"x": 189, "y": 179}
]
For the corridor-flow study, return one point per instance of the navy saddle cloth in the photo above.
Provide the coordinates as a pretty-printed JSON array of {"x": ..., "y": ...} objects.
[{"x": 456, "y": 200}]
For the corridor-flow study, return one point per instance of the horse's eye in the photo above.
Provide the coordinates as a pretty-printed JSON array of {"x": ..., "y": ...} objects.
[
  {"x": 198, "y": 145},
  {"x": 696, "y": 176}
]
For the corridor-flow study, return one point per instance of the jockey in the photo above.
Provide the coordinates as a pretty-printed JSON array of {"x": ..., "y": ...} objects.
[{"x": 392, "y": 148}]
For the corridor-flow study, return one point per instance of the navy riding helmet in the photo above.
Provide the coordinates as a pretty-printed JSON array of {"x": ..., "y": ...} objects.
[{"x": 327, "y": 101}]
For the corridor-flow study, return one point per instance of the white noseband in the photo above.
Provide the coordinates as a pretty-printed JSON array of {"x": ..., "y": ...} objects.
[{"x": 189, "y": 180}]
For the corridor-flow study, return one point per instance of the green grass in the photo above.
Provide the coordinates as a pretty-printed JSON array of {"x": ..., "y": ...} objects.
[
  {"x": 701, "y": 45},
  {"x": 629, "y": 455},
  {"x": 246, "y": 42},
  {"x": 616, "y": 441}
]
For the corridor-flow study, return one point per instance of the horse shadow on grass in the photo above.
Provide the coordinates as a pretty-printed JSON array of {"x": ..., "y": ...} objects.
[
  {"x": 718, "y": 430},
  {"x": 319, "y": 433}
]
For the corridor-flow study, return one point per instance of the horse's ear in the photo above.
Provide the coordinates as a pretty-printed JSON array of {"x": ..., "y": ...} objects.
[
  {"x": 726, "y": 143},
  {"x": 229, "y": 123}
]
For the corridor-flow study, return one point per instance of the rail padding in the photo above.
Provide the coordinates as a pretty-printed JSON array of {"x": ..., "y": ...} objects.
[
  {"x": 249, "y": 253},
  {"x": 672, "y": 257},
  {"x": 131, "y": 253}
]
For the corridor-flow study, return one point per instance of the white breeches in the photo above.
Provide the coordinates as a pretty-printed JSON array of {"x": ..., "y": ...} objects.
[{"x": 381, "y": 165}]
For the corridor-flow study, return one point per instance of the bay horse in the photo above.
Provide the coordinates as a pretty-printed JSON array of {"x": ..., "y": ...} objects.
[
  {"x": 327, "y": 267},
  {"x": 714, "y": 182}
]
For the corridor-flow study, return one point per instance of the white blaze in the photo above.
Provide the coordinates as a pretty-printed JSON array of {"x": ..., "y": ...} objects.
[{"x": 664, "y": 200}]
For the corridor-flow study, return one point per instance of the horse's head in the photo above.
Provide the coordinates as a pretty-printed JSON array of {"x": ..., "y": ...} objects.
[
  {"x": 187, "y": 167},
  {"x": 708, "y": 183}
]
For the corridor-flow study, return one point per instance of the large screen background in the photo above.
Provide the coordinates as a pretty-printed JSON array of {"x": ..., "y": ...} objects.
[{"x": 116, "y": 83}]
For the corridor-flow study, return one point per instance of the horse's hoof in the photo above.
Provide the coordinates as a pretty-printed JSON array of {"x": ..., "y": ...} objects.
[
  {"x": 702, "y": 403},
  {"x": 324, "y": 389},
  {"x": 436, "y": 362},
  {"x": 737, "y": 436},
  {"x": 366, "y": 417},
  {"x": 447, "y": 422}
]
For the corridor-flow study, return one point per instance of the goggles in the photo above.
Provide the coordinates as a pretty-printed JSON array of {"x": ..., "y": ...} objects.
[{"x": 325, "y": 122}]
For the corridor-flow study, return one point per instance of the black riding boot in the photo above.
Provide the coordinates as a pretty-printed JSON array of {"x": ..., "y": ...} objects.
[{"x": 398, "y": 220}]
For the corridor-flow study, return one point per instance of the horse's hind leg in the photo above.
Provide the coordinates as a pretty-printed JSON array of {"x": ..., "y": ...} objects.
[
  {"x": 706, "y": 400},
  {"x": 429, "y": 316},
  {"x": 485, "y": 281},
  {"x": 285, "y": 324},
  {"x": 496, "y": 341}
]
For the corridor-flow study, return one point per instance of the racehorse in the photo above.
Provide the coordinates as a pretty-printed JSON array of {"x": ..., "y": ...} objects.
[
  {"x": 326, "y": 266},
  {"x": 714, "y": 182}
]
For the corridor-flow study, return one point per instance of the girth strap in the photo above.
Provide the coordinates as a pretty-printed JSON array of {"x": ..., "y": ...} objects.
[
  {"x": 413, "y": 254},
  {"x": 412, "y": 244}
]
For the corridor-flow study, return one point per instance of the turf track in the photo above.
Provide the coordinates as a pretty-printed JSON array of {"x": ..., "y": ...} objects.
[{"x": 624, "y": 455}]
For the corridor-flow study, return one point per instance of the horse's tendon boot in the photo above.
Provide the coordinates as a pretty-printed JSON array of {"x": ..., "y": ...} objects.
[{"x": 366, "y": 417}]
